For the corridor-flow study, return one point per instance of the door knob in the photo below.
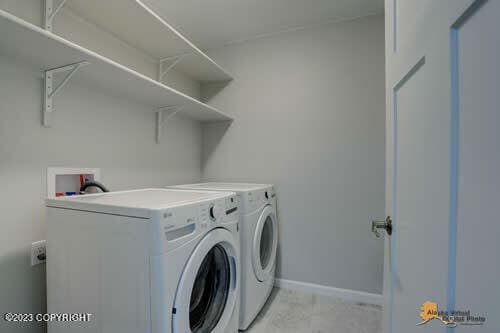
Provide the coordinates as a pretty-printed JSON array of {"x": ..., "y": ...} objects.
[{"x": 386, "y": 224}]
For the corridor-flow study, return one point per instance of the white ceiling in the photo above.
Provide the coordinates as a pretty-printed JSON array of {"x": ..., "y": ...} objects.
[{"x": 211, "y": 23}]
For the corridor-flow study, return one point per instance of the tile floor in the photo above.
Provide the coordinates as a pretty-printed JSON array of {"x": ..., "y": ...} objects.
[{"x": 293, "y": 312}]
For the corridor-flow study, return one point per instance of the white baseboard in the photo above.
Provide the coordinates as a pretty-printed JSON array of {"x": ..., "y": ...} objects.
[{"x": 316, "y": 289}]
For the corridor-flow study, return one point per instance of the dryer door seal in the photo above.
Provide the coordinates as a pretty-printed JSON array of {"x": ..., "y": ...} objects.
[
  {"x": 265, "y": 244},
  {"x": 207, "y": 292}
]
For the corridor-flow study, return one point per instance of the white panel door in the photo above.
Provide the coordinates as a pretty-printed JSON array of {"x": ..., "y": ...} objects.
[{"x": 443, "y": 164}]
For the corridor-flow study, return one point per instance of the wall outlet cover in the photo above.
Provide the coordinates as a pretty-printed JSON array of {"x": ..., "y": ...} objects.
[{"x": 38, "y": 253}]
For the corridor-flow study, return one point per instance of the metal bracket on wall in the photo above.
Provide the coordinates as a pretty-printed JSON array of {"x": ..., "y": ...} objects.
[
  {"x": 168, "y": 111},
  {"x": 51, "y": 11},
  {"x": 50, "y": 91},
  {"x": 167, "y": 64}
]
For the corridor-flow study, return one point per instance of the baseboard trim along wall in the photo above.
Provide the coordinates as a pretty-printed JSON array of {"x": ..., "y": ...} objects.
[{"x": 346, "y": 294}]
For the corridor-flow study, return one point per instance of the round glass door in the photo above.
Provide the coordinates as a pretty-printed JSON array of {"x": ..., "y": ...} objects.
[
  {"x": 265, "y": 244},
  {"x": 210, "y": 291},
  {"x": 207, "y": 291}
]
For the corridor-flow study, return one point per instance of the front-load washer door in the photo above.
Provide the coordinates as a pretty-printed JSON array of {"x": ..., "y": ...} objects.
[
  {"x": 265, "y": 244},
  {"x": 207, "y": 292}
]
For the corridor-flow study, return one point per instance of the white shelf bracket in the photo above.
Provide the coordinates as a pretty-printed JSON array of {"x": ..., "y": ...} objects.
[
  {"x": 164, "y": 113},
  {"x": 167, "y": 64},
  {"x": 51, "y": 91},
  {"x": 51, "y": 10}
]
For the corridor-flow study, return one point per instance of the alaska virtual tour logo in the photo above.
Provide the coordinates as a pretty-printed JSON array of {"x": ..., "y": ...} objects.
[{"x": 430, "y": 311}]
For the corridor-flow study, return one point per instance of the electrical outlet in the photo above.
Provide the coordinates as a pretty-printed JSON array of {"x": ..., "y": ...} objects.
[{"x": 38, "y": 253}]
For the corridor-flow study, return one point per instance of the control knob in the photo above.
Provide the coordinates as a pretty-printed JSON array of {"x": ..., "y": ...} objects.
[{"x": 211, "y": 212}]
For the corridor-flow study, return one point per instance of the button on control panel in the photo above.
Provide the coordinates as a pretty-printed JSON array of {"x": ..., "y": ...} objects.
[{"x": 231, "y": 205}]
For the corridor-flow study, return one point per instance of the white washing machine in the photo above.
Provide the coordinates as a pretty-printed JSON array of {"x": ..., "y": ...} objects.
[
  {"x": 259, "y": 242},
  {"x": 152, "y": 260}
]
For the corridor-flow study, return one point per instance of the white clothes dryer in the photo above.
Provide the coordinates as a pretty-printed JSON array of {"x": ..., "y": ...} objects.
[{"x": 259, "y": 242}]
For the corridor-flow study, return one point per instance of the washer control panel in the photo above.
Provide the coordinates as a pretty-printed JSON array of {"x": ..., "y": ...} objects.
[
  {"x": 218, "y": 210},
  {"x": 179, "y": 224}
]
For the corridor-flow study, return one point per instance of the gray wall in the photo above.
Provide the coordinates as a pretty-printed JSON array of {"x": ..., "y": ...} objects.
[
  {"x": 309, "y": 109},
  {"x": 89, "y": 130}
]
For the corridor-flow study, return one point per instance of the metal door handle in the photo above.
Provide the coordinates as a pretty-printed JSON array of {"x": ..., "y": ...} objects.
[{"x": 386, "y": 224}]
